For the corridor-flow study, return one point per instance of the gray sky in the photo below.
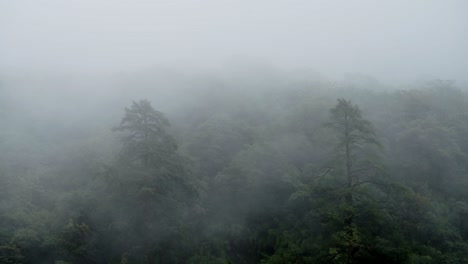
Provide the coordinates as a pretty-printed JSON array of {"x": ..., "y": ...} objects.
[{"x": 391, "y": 40}]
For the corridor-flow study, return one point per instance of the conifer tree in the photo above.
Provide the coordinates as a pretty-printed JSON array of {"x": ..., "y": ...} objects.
[
  {"x": 353, "y": 133},
  {"x": 147, "y": 142}
]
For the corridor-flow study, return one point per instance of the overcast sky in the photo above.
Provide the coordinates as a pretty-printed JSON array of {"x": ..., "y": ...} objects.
[{"x": 391, "y": 40}]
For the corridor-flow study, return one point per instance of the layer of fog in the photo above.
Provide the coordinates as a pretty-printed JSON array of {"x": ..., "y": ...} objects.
[{"x": 394, "y": 41}]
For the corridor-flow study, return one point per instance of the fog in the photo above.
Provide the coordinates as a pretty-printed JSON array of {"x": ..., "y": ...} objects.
[
  {"x": 233, "y": 132},
  {"x": 390, "y": 40}
]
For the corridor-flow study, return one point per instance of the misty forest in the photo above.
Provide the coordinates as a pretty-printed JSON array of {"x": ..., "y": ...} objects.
[
  {"x": 233, "y": 132},
  {"x": 254, "y": 167}
]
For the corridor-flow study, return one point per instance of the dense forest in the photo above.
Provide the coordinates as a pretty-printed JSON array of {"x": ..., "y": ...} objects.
[{"x": 255, "y": 166}]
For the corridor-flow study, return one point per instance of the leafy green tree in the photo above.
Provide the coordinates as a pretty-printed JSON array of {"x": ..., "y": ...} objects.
[
  {"x": 11, "y": 255},
  {"x": 77, "y": 240}
]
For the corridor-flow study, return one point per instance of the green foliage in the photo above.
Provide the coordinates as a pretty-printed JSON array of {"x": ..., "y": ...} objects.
[
  {"x": 146, "y": 141},
  {"x": 77, "y": 240},
  {"x": 257, "y": 179},
  {"x": 11, "y": 255}
]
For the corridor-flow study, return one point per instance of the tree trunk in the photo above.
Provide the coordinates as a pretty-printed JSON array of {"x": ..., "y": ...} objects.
[{"x": 349, "y": 214}]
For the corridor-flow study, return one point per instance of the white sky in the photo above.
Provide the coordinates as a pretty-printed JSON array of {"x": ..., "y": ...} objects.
[{"x": 389, "y": 39}]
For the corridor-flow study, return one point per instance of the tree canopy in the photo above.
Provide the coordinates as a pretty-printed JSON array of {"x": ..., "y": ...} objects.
[{"x": 275, "y": 175}]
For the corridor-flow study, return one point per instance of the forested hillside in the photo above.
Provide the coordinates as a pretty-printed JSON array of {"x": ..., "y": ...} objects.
[{"x": 259, "y": 168}]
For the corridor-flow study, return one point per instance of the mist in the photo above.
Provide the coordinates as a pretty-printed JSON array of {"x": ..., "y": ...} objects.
[
  {"x": 216, "y": 132},
  {"x": 390, "y": 40}
]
